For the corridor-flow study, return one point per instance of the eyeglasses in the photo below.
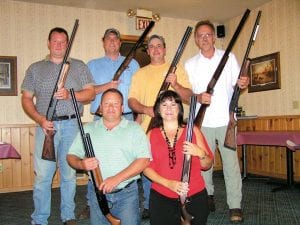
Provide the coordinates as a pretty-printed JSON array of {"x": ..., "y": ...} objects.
[
  {"x": 159, "y": 46},
  {"x": 202, "y": 36}
]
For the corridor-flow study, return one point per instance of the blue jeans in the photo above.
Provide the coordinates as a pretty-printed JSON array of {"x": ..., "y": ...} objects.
[
  {"x": 124, "y": 205},
  {"x": 44, "y": 170},
  {"x": 146, "y": 188}
]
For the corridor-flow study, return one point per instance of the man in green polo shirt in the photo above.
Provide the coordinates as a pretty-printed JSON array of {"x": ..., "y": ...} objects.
[{"x": 122, "y": 152}]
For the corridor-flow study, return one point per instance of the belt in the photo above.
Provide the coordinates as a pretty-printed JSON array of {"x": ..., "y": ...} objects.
[
  {"x": 126, "y": 113},
  {"x": 121, "y": 189},
  {"x": 58, "y": 118}
]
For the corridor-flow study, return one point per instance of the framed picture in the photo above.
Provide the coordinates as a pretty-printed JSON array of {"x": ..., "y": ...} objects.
[
  {"x": 8, "y": 76},
  {"x": 265, "y": 73}
]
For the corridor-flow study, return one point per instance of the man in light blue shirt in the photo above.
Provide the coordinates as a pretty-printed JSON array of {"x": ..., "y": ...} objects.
[{"x": 104, "y": 68}]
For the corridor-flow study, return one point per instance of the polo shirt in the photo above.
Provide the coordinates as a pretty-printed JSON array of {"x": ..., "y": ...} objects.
[
  {"x": 200, "y": 71},
  {"x": 103, "y": 70},
  {"x": 147, "y": 81},
  {"x": 115, "y": 149},
  {"x": 40, "y": 80}
]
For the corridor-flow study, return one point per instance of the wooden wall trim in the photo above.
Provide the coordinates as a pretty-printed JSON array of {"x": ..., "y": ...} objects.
[
  {"x": 17, "y": 174},
  {"x": 268, "y": 160}
]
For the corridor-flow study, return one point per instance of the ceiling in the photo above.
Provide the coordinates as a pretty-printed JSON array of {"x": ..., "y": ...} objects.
[{"x": 214, "y": 10}]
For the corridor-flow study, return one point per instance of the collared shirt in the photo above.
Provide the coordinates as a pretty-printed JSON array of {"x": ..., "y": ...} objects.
[
  {"x": 115, "y": 149},
  {"x": 147, "y": 82},
  {"x": 103, "y": 70},
  {"x": 41, "y": 77},
  {"x": 200, "y": 71}
]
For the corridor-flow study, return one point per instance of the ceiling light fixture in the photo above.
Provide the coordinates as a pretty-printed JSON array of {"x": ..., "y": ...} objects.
[{"x": 143, "y": 13}]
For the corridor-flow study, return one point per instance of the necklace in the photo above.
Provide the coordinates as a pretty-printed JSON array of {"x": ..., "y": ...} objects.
[{"x": 171, "y": 148}]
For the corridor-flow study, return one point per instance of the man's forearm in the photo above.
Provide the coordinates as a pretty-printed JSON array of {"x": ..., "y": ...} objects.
[
  {"x": 30, "y": 110},
  {"x": 99, "y": 88},
  {"x": 136, "y": 167},
  {"x": 136, "y": 106},
  {"x": 85, "y": 95},
  {"x": 185, "y": 93},
  {"x": 74, "y": 162}
]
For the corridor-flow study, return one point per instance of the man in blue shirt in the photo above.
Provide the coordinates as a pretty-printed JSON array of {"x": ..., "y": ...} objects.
[{"x": 104, "y": 68}]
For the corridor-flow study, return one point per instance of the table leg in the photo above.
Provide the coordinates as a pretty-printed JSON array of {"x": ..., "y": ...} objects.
[
  {"x": 244, "y": 159},
  {"x": 289, "y": 172},
  {"x": 289, "y": 167}
]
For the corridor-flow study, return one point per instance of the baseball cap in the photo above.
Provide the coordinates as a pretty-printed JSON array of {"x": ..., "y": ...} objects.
[{"x": 112, "y": 30}]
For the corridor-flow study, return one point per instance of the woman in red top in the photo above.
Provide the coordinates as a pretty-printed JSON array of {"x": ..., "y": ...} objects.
[{"x": 168, "y": 147}]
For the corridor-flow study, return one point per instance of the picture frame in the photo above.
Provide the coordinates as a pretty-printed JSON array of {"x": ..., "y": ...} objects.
[
  {"x": 8, "y": 76},
  {"x": 265, "y": 73}
]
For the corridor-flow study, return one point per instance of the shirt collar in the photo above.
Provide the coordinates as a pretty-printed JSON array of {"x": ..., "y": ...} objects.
[
  {"x": 123, "y": 123},
  {"x": 109, "y": 59},
  {"x": 216, "y": 52},
  {"x": 47, "y": 58}
]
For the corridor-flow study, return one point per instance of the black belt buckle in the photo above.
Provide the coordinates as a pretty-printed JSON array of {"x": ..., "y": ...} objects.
[
  {"x": 126, "y": 113},
  {"x": 121, "y": 189},
  {"x": 67, "y": 117}
]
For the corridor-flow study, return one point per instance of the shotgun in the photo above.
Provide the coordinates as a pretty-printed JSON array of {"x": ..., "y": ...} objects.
[
  {"x": 230, "y": 138},
  {"x": 165, "y": 85},
  {"x": 48, "y": 147},
  {"x": 218, "y": 71},
  {"x": 96, "y": 173},
  {"x": 130, "y": 56},
  {"x": 132, "y": 51},
  {"x": 186, "y": 218}
]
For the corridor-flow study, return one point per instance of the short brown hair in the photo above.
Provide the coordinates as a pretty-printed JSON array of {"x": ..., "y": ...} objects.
[
  {"x": 204, "y": 23},
  {"x": 58, "y": 30},
  {"x": 112, "y": 90},
  {"x": 158, "y": 37}
]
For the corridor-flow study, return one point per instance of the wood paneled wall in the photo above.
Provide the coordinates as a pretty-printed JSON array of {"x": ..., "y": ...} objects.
[
  {"x": 18, "y": 174},
  {"x": 268, "y": 160}
]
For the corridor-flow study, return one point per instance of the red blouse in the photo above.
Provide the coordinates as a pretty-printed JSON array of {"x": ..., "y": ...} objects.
[{"x": 160, "y": 164}]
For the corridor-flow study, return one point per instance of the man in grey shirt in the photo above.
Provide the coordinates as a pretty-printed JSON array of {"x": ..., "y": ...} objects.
[{"x": 37, "y": 89}]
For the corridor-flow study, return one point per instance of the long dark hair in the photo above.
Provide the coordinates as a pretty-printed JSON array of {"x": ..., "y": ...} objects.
[{"x": 167, "y": 95}]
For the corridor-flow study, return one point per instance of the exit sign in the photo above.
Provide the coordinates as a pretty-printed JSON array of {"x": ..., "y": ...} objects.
[{"x": 142, "y": 23}]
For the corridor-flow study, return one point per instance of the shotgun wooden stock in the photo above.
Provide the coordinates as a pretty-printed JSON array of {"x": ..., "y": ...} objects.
[
  {"x": 165, "y": 85},
  {"x": 96, "y": 173},
  {"x": 48, "y": 147},
  {"x": 130, "y": 56},
  {"x": 132, "y": 51},
  {"x": 219, "y": 69},
  {"x": 230, "y": 138}
]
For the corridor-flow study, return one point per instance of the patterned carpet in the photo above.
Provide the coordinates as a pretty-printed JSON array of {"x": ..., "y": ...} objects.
[{"x": 260, "y": 205}]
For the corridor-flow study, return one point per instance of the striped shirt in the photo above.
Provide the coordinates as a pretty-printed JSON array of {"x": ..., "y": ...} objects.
[
  {"x": 115, "y": 149},
  {"x": 40, "y": 79}
]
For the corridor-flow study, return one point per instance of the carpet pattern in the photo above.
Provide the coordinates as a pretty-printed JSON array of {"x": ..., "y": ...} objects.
[{"x": 260, "y": 205}]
